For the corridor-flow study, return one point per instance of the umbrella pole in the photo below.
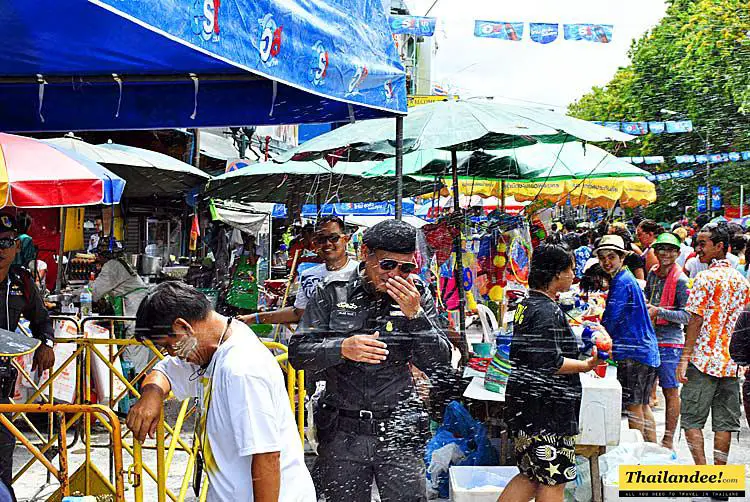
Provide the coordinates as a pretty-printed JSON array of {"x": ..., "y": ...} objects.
[
  {"x": 61, "y": 250},
  {"x": 458, "y": 269},
  {"x": 502, "y": 196},
  {"x": 399, "y": 166}
]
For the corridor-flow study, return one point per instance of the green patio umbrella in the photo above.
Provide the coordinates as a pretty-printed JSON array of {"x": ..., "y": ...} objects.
[
  {"x": 454, "y": 126},
  {"x": 271, "y": 182}
]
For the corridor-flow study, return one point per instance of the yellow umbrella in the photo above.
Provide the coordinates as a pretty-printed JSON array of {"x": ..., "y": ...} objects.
[
  {"x": 637, "y": 192},
  {"x": 524, "y": 191}
]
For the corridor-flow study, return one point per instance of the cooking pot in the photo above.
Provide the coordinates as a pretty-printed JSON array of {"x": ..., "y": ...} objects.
[
  {"x": 133, "y": 259},
  {"x": 150, "y": 265}
]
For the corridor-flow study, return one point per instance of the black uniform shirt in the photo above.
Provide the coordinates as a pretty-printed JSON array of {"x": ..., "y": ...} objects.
[
  {"x": 340, "y": 308},
  {"x": 19, "y": 295}
]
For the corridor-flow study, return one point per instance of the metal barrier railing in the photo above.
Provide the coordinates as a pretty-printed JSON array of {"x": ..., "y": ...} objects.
[
  {"x": 107, "y": 350},
  {"x": 61, "y": 473}
]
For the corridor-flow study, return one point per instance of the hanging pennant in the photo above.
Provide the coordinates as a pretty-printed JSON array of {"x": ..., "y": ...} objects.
[
  {"x": 716, "y": 201},
  {"x": 635, "y": 128},
  {"x": 600, "y": 33},
  {"x": 656, "y": 127},
  {"x": 498, "y": 29},
  {"x": 680, "y": 126},
  {"x": 543, "y": 33},
  {"x": 413, "y": 25},
  {"x": 702, "y": 205},
  {"x": 685, "y": 159}
]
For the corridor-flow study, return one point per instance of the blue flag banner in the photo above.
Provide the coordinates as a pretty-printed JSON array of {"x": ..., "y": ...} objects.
[
  {"x": 718, "y": 158},
  {"x": 637, "y": 160},
  {"x": 635, "y": 128},
  {"x": 702, "y": 205},
  {"x": 680, "y": 126},
  {"x": 663, "y": 177},
  {"x": 613, "y": 125},
  {"x": 413, "y": 25},
  {"x": 543, "y": 33},
  {"x": 685, "y": 159},
  {"x": 656, "y": 127},
  {"x": 734, "y": 156},
  {"x": 716, "y": 201},
  {"x": 498, "y": 29},
  {"x": 600, "y": 33},
  {"x": 701, "y": 159},
  {"x": 671, "y": 176},
  {"x": 745, "y": 155},
  {"x": 654, "y": 160}
]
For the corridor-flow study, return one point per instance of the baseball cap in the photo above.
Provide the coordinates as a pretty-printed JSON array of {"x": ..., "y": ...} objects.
[
  {"x": 667, "y": 239},
  {"x": 8, "y": 223}
]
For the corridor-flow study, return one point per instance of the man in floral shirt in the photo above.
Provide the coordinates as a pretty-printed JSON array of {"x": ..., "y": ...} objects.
[{"x": 709, "y": 375}]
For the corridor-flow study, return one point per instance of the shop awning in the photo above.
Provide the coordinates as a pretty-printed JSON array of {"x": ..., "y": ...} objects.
[{"x": 129, "y": 64}]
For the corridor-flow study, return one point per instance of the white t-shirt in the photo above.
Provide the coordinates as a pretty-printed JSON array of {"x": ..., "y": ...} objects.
[
  {"x": 685, "y": 251},
  {"x": 694, "y": 266},
  {"x": 248, "y": 413},
  {"x": 311, "y": 277}
]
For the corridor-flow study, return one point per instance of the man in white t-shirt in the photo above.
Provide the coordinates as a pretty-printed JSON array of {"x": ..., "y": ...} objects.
[
  {"x": 249, "y": 440},
  {"x": 330, "y": 239}
]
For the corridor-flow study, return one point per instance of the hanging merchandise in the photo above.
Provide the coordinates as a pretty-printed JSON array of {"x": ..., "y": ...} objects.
[
  {"x": 499, "y": 29},
  {"x": 543, "y": 33},
  {"x": 600, "y": 33},
  {"x": 635, "y": 128},
  {"x": 519, "y": 257},
  {"x": 440, "y": 238}
]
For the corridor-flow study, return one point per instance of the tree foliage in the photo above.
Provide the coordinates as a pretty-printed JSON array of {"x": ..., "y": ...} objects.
[{"x": 694, "y": 62}]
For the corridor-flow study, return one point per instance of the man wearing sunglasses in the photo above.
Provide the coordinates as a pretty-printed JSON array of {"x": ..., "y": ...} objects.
[
  {"x": 363, "y": 332},
  {"x": 330, "y": 241},
  {"x": 19, "y": 297}
]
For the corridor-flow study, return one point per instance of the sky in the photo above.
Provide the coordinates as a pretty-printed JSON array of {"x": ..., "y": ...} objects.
[{"x": 555, "y": 74}]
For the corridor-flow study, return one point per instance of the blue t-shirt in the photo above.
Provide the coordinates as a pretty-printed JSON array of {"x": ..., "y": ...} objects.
[{"x": 626, "y": 319}]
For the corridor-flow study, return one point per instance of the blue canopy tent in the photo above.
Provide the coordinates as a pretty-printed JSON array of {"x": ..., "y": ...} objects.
[
  {"x": 348, "y": 209},
  {"x": 129, "y": 64}
]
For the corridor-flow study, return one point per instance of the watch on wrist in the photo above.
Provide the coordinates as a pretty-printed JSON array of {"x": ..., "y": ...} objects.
[
  {"x": 49, "y": 343},
  {"x": 418, "y": 313}
]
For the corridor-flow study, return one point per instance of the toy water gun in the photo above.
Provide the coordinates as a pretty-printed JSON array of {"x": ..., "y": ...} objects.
[{"x": 595, "y": 335}]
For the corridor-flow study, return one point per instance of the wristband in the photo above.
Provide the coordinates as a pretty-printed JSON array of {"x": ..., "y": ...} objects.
[{"x": 257, "y": 318}]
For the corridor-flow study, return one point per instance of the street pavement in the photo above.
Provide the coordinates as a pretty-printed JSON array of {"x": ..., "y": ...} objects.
[{"x": 34, "y": 480}]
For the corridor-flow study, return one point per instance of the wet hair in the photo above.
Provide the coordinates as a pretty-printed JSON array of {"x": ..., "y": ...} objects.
[
  {"x": 570, "y": 225},
  {"x": 738, "y": 243},
  {"x": 734, "y": 228},
  {"x": 330, "y": 219},
  {"x": 23, "y": 222},
  {"x": 166, "y": 303},
  {"x": 718, "y": 232},
  {"x": 594, "y": 279},
  {"x": 555, "y": 238},
  {"x": 547, "y": 261},
  {"x": 627, "y": 237},
  {"x": 650, "y": 226},
  {"x": 394, "y": 236}
]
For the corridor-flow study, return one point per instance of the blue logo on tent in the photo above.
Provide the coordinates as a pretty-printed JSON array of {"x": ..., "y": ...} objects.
[
  {"x": 270, "y": 40},
  {"x": 236, "y": 164}
]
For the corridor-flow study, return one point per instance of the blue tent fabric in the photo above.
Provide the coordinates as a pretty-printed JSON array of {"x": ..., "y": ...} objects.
[
  {"x": 348, "y": 209},
  {"x": 256, "y": 62}
]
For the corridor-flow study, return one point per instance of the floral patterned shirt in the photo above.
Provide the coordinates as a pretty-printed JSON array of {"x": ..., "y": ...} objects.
[{"x": 718, "y": 295}]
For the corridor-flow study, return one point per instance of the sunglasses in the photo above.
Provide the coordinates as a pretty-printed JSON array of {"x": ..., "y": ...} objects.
[
  {"x": 405, "y": 267},
  {"x": 322, "y": 239},
  {"x": 7, "y": 243}
]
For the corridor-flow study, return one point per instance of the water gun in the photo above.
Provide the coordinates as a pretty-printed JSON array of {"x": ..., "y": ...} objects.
[{"x": 595, "y": 335}]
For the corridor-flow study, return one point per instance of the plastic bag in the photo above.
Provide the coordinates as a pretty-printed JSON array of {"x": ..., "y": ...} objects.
[
  {"x": 469, "y": 436},
  {"x": 440, "y": 462}
]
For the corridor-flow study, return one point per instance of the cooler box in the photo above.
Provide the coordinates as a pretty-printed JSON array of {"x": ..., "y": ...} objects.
[
  {"x": 479, "y": 483},
  {"x": 601, "y": 406}
]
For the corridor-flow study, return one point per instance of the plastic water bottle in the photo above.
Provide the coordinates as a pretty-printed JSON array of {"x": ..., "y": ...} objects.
[{"x": 87, "y": 298}]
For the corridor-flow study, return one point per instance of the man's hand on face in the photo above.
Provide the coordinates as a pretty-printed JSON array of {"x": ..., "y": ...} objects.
[
  {"x": 364, "y": 349},
  {"x": 406, "y": 294},
  {"x": 144, "y": 415},
  {"x": 44, "y": 359}
]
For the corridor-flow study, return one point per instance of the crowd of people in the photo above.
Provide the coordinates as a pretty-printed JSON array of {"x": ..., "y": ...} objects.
[
  {"x": 367, "y": 325},
  {"x": 677, "y": 312}
]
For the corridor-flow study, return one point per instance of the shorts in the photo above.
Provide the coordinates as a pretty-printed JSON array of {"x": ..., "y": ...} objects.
[
  {"x": 667, "y": 371},
  {"x": 703, "y": 393},
  {"x": 545, "y": 458},
  {"x": 637, "y": 381}
]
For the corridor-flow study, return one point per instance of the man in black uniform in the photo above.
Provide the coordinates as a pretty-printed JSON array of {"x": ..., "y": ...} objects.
[
  {"x": 363, "y": 332},
  {"x": 19, "y": 296}
]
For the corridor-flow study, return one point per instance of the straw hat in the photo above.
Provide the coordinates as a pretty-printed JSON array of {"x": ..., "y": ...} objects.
[{"x": 612, "y": 243}]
